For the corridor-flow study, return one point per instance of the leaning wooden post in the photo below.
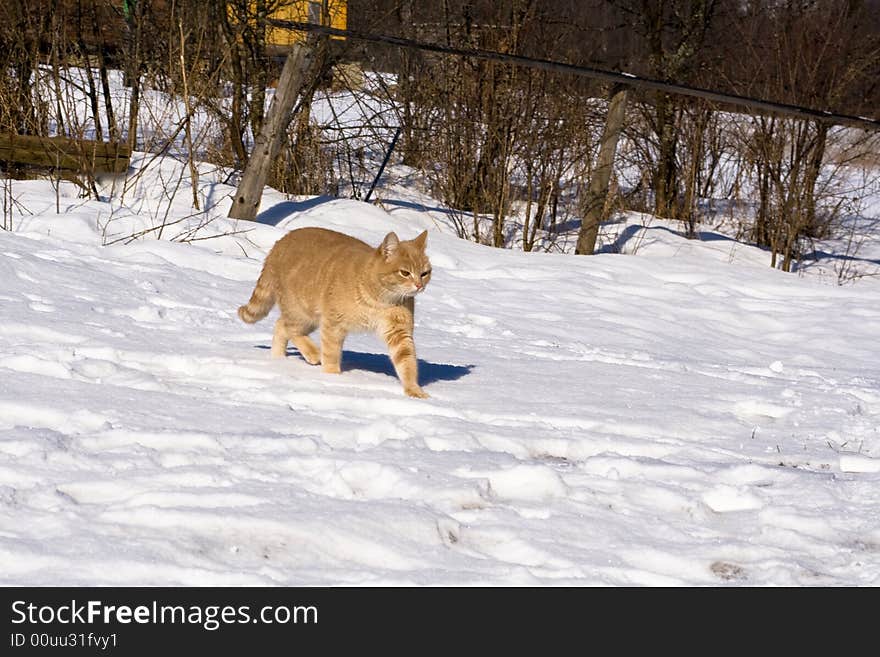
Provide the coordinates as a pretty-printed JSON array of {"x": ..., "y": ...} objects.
[
  {"x": 268, "y": 142},
  {"x": 598, "y": 190}
]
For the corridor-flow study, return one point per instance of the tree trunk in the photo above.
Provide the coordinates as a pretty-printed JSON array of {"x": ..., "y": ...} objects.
[
  {"x": 260, "y": 72},
  {"x": 666, "y": 174},
  {"x": 92, "y": 92},
  {"x": 689, "y": 209},
  {"x": 133, "y": 66},
  {"x": 811, "y": 177},
  {"x": 112, "y": 128}
]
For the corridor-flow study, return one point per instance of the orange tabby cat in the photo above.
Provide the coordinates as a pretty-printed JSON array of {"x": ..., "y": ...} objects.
[{"x": 323, "y": 279}]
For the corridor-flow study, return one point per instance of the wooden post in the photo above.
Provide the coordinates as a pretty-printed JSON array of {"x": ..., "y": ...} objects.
[
  {"x": 268, "y": 143},
  {"x": 598, "y": 190}
]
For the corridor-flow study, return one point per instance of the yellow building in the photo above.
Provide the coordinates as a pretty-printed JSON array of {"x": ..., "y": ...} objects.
[{"x": 324, "y": 12}]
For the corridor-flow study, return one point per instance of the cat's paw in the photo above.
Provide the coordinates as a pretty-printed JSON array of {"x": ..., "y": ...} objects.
[
  {"x": 331, "y": 368},
  {"x": 416, "y": 391}
]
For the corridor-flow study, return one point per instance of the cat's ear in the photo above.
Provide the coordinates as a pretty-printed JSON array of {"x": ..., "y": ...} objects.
[
  {"x": 389, "y": 245},
  {"x": 421, "y": 239}
]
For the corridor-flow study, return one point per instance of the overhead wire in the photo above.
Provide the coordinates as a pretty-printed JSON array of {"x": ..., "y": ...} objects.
[{"x": 614, "y": 77}]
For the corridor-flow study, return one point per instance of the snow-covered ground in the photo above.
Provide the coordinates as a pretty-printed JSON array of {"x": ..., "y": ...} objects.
[
  {"x": 664, "y": 418},
  {"x": 679, "y": 415}
]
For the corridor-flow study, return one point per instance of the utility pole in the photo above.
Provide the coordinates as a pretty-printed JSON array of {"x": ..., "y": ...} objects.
[
  {"x": 294, "y": 77},
  {"x": 598, "y": 190}
]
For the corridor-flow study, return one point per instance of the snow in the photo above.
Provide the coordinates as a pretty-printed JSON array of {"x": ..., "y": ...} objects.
[{"x": 673, "y": 416}]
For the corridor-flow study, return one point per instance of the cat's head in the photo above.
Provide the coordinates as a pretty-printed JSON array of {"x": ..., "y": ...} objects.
[{"x": 404, "y": 268}]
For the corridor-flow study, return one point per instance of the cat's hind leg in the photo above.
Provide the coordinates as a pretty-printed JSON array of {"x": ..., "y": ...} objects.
[
  {"x": 296, "y": 332},
  {"x": 279, "y": 340},
  {"x": 307, "y": 348},
  {"x": 331, "y": 348}
]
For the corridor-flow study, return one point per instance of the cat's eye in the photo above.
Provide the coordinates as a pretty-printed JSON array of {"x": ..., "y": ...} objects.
[
  {"x": 425, "y": 273},
  {"x": 404, "y": 273}
]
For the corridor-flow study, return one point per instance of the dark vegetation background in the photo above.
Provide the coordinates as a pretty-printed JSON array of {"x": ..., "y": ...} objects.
[{"x": 510, "y": 150}]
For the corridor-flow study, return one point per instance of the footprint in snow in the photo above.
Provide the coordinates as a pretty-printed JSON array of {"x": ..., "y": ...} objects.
[{"x": 728, "y": 571}]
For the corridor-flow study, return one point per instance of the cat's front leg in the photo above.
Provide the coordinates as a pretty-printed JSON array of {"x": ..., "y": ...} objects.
[{"x": 397, "y": 333}]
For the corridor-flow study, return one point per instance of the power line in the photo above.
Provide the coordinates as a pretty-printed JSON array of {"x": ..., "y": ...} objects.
[{"x": 627, "y": 79}]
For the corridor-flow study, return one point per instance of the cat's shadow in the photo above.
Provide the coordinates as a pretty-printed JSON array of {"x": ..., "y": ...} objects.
[{"x": 381, "y": 364}]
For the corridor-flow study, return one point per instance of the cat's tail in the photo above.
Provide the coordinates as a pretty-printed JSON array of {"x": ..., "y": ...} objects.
[{"x": 261, "y": 302}]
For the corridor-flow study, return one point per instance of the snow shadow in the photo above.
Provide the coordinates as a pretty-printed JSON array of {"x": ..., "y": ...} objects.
[
  {"x": 818, "y": 255},
  {"x": 381, "y": 364},
  {"x": 272, "y": 216},
  {"x": 633, "y": 230},
  {"x": 417, "y": 206}
]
